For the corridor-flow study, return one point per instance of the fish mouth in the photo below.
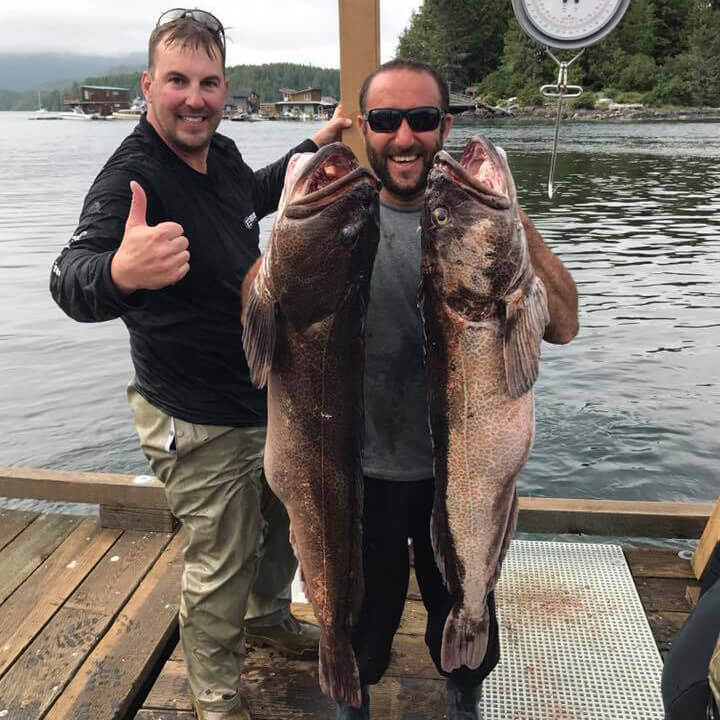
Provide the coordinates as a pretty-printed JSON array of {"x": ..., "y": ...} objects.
[
  {"x": 482, "y": 172},
  {"x": 333, "y": 171}
]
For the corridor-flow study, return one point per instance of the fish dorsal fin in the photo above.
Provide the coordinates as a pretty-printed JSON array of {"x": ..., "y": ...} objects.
[
  {"x": 526, "y": 315},
  {"x": 258, "y": 336}
]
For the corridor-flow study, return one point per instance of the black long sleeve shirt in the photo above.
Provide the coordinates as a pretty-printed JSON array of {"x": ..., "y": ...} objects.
[{"x": 185, "y": 340}]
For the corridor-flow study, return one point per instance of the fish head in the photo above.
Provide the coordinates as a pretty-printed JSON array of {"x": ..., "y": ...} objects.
[
  {"x": 473, "y": 240},
  {"x": 325, "y": 234}
]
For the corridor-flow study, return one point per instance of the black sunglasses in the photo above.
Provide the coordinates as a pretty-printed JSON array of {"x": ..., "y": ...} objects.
[
  {"x": 200, "y": 16},
  {"x": 420, "y": 119}
]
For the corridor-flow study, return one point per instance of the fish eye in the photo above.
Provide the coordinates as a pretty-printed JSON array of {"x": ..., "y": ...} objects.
[{"x": 440, "y": 216}]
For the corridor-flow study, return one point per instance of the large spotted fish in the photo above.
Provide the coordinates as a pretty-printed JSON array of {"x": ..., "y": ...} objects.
[
  {"x": 304, "y": 336},
  {"x": 484, "y": 313}
]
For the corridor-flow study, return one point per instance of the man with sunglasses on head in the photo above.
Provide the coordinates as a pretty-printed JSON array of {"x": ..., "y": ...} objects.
[
  {"x": 405, "y": 120},
  {"x": 168, "y": 230}
]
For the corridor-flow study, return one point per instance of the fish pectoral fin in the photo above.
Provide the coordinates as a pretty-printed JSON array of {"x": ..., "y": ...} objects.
[
  {"x": 258, "y": 336},
  {"x": 525, "y": 320}
]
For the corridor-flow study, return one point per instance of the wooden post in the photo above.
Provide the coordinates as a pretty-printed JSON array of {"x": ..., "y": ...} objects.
[
  {"x": 710, "y": 538},
  {"x": 359, "y": 56}
]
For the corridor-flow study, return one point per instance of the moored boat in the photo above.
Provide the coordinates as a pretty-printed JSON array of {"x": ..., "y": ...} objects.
[
  {"x": 75, "y": 114},
  {"x": 134, "y": 112}
]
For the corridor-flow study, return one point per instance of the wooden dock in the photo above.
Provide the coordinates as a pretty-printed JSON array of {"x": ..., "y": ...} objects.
[{"x": 88, "y": 614}]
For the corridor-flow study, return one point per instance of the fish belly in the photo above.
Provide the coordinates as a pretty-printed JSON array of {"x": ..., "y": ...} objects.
[
  {"x": 481, "y": 438},
  {"x": 313, "y": 465}
]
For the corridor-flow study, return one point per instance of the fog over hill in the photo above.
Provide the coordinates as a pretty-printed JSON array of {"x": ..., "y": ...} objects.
[{"x": 47, "y": 71}]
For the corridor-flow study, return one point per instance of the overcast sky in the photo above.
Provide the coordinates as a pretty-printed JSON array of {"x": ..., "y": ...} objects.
[{"x": 260, "y": 31}]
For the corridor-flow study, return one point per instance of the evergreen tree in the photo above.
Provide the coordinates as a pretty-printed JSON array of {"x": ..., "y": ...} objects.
[{"x": 462, "y": 39}]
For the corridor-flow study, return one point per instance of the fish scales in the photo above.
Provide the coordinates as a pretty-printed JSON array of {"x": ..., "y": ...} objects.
[
  {"x": 304, "y": 334},
  {"x": 484, "y": 313}
]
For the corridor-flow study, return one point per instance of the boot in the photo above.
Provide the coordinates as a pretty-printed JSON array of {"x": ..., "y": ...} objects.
[
  {"x": 464, "y": 701},
  {"x": 293, "y": 638},
  {"x": 239, "y": 711},
  {"x": 348, "y": 712}
]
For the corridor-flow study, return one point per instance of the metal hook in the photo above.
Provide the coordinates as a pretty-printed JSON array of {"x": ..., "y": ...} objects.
[{"x": 560, "y": 90}]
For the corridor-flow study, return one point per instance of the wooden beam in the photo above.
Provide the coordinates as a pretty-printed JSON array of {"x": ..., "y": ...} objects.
[
  {"x": 359, "y": 56},
  {"x": 710, "y": 538},
  {"x": 616, "y": 518},
  {"x": 138, "y": 519},
  {"x": 120, "y": 491}
]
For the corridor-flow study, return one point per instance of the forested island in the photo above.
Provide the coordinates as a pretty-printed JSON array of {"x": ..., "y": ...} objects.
[{"x": 664, "y": 55}]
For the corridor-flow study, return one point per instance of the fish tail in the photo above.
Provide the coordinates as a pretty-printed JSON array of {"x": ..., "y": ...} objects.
[
  {"x": 465, "y": 639},
  {"x": 339, "y": 676}
]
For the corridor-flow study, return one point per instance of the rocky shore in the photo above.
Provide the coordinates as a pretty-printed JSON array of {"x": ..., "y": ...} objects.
[{"x": 614, "y": 112}]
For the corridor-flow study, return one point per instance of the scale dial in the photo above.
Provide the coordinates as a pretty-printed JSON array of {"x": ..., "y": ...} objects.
[{"x": 569, "y": 23}]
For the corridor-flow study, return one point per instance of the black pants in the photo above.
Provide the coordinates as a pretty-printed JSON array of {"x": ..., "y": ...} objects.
[
  {"x": 685, "y": 687},
  {"x": 395, "y": 511}
]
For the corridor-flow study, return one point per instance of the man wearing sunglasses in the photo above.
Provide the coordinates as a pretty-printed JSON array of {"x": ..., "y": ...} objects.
[
  {"x": 404, "y": 121},
  {"x": 168, "y": 230}
]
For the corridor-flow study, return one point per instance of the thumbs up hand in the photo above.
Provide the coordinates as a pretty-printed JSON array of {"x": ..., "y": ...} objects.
[{"x": 149, "y": 257}]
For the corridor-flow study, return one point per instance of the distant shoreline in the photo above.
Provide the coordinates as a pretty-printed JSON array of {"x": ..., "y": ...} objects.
[{"x": 614, "y": 114}]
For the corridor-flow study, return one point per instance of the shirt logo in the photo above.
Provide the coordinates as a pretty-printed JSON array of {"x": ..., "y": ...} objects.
[{"x": 250, "y": 221}]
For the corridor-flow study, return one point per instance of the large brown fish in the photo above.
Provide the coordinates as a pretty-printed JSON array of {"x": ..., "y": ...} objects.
[
  {"x": 484, "y": 313},
  {"x": 304, "y": 336}
]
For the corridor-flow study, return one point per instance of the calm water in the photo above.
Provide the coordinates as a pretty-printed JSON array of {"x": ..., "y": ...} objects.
[{"x": 630, "y": 409}]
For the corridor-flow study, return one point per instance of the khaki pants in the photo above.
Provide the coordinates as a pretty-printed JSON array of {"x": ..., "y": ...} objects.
[{"x": 238, "y": 563}]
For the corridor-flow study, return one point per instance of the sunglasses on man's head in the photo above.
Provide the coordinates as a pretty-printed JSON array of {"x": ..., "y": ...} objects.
[
  {"x": 420, "y": 119},
  {"x": 200, "y": 16}
]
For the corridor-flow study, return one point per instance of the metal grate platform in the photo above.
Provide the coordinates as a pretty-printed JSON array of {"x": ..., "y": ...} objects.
[{"x": 575, "y": 641}]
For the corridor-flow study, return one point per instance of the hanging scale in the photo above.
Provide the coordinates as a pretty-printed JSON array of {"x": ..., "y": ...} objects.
[{"x": 566, "y": 25}]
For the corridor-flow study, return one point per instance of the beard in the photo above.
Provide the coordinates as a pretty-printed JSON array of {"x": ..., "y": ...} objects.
[{"x": 405, "y": 189}]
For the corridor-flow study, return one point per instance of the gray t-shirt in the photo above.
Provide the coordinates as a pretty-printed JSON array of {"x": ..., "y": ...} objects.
[{"x": 397, "y": 433}]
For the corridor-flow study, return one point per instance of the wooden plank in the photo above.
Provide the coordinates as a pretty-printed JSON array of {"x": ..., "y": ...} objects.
[
  {"x": 665, "y": 627},
  {"x": 662, "y": 594},
  {"x": 165, "y": 715},
  {"x": 41, "y": 595},
  {"x": 617, "y": 518},
  {"x": 710, "y": 538},
  {"x": 413, "y": 588},
  {"x": 97, "y": 488},
  {"x": 12, "y": 523},
  {"x": 412, "y": 622},
  {"x": 24, "y": 554},
  {"x": 46, "y": 666},
  {"x": 280, "y": 689},
  {"x": 359, "y": 56},
  {"x": 658, "y": 564},
  {"x": 109, "y": 680},
  {"x": 137, "y": 519}
]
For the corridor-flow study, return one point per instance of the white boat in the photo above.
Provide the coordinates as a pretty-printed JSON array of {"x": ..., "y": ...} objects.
[
  {"x": 44, "y": 114},
  {"x": 134, "y": 112},
  {"x": 75, "y": 114}
]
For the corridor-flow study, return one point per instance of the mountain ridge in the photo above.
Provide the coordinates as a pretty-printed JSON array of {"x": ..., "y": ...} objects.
[{"x": 52, "y": 71}]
